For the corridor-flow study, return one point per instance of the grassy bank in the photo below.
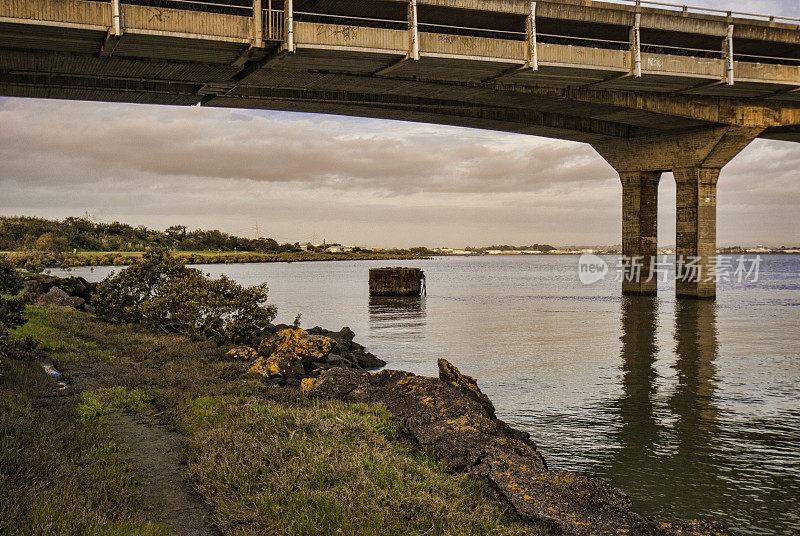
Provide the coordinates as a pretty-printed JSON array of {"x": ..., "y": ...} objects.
[
  {"x": 124, "y": 258},
  {"x": 267, "y": 459}
]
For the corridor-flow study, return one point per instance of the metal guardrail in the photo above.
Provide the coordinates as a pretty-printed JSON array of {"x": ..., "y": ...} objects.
[
  {"x": 543, "y": 37},
  {"x": 273, "y": 27},
  {"x": 247, "y": 4},
  {"x": 274, "y": 21},
  {"x": 704, "y": 10}
]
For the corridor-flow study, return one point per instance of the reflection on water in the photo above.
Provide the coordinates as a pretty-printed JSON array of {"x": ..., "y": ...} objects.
[
  {"x": 692, "y": 401},
  {"x": 669, "y": 443},
  {"x": 638, "y": 434},
  {"x": 398, "y": 320}
]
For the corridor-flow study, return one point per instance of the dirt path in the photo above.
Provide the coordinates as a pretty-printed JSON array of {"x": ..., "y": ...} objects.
[{"x": 156, "y": 453}]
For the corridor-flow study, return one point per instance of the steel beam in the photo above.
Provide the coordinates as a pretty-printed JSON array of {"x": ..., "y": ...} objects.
[
  {"x": 728, "y": 51},
  {"x": 413, "y": 30},
  {"x": 636, "y": 46},
  {"x": 530, "y": 30}
]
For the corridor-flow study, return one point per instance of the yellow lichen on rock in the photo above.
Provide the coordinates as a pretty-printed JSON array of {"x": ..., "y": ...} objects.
[
  {"x": 449, "y": 374},
  {"x": 307, "y": 384},
  {"x": 243, "y": 353},
  {"x": 291, "y": 349}
]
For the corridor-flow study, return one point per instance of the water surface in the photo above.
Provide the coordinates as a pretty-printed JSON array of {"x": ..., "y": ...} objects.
[{"x": 692, "y": 407}]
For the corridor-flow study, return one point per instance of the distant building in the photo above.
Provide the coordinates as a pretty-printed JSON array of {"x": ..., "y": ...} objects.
[
  {"x": 451, "y": 251},
  {"x": 339, "y": 249}
]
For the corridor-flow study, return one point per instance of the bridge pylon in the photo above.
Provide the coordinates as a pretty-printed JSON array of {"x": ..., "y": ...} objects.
[{"x": 696, "y": 158}]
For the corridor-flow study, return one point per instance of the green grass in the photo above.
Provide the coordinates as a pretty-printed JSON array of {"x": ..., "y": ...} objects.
[
  {"x": 268, "y": 460},
  {"x": 60, "y": 474},
  {"x": 58, "y": 342},
  {"x": 97, "y": 403}
]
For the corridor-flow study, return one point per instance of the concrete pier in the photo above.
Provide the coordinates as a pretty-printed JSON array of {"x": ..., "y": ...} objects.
[
  {"x": 640, "y": 230},
  {"x": 696, "y": 158},
  {"x": 395, "y": 281},
  {"x": 696, "y": 232}
]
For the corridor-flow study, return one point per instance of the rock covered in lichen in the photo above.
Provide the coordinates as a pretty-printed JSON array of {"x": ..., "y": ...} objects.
[
  {"x": 449, "y": 374},
  {"x": 451, "y": 416},
  {"x": 242, "y": 353},
  {"x": 291, "y": 352}
]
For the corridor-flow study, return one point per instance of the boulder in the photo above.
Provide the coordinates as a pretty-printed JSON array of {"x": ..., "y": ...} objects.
[
  {"x": 346, "y": 334},
  {"x": 39, "y": 285},
  {"x": 294, "y": 349},
  {"x": 336, "y": 383},
  {"x": 368, "y": 361},
  {"x": 56, "y": 296},
  {"x": 77, "y": 302},
  {"x": 449, "y": 374},
  {"x": 438, "y": 414},
  {"x": 77, "y": 286},
  {"x": 337, "y": 360},
  {"x": 351, "y": 353},
  {"x": 52, "y": 291}
]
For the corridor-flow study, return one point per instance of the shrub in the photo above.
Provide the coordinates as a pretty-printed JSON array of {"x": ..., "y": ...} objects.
[
  {"x": 159, "y": 291},
  {"x": 34, "y": 265},
  {"x": 10, "y": 279},
  {"x": 12, "y": 306}
]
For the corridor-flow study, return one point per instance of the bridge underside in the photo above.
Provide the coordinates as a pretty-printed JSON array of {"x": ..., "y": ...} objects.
[
  {"x": 675, "y": 112},
  {"x": 348, "y": 70},
  {"x": 324, "y": 82}
]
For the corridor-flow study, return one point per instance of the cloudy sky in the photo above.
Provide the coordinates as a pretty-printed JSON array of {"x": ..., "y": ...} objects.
[{"x": 366, "y": 182}]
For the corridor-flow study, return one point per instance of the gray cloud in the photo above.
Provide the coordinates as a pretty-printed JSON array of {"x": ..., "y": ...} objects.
[
  {"x": 356, "y": 180},
  {"x": 86, "y": 140}
]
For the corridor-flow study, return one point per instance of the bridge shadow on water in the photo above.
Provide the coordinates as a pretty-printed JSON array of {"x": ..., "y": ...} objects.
[
  {"x": 666, "y": 442},
  {"x": 676, "y": 447}
]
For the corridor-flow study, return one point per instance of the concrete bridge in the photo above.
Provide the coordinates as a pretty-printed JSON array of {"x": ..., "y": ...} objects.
[{"x": 652, "y": 87}]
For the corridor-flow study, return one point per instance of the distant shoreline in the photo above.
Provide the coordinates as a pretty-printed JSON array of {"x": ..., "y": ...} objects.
[
  {"x": 578, "y": 253},
  {"x": 117, "y": 258},
  {"x": 124, "y": 258}
]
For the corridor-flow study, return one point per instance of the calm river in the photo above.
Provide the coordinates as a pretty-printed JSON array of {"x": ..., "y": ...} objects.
[{"x": 692, "y": 408}]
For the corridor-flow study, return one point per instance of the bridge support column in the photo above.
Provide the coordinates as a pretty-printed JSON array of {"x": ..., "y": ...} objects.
[
  {"x": 696, "y": 232},
  {"x": 639, "y": 231},
  {"x": 696, "y": 156}
]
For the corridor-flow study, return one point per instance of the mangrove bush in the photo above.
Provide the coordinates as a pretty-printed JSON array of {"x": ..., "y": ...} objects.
[{"x": 159, "y": 291}]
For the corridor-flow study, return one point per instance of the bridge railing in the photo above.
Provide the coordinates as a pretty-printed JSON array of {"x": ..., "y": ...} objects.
[
  {"x": 274, "y": 22},
  {"x": 546, "y": 38},
  {"x": 706, "y": 10}
]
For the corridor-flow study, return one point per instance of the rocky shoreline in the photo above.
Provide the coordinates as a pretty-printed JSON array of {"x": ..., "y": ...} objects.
[
  {"x": 448, "y": 415},
  {"x": 451, "y": 416}
]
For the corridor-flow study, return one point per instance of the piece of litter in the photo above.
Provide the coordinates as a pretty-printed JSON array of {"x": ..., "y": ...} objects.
[{"x": 51, "y": 370}]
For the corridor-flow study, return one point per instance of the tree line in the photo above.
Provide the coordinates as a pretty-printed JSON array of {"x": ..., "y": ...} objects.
[{"x": 25, "y": 233}]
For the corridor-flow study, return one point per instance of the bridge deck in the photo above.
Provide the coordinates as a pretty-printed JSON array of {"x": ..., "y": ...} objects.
[{"x": 474, "y": 65}]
